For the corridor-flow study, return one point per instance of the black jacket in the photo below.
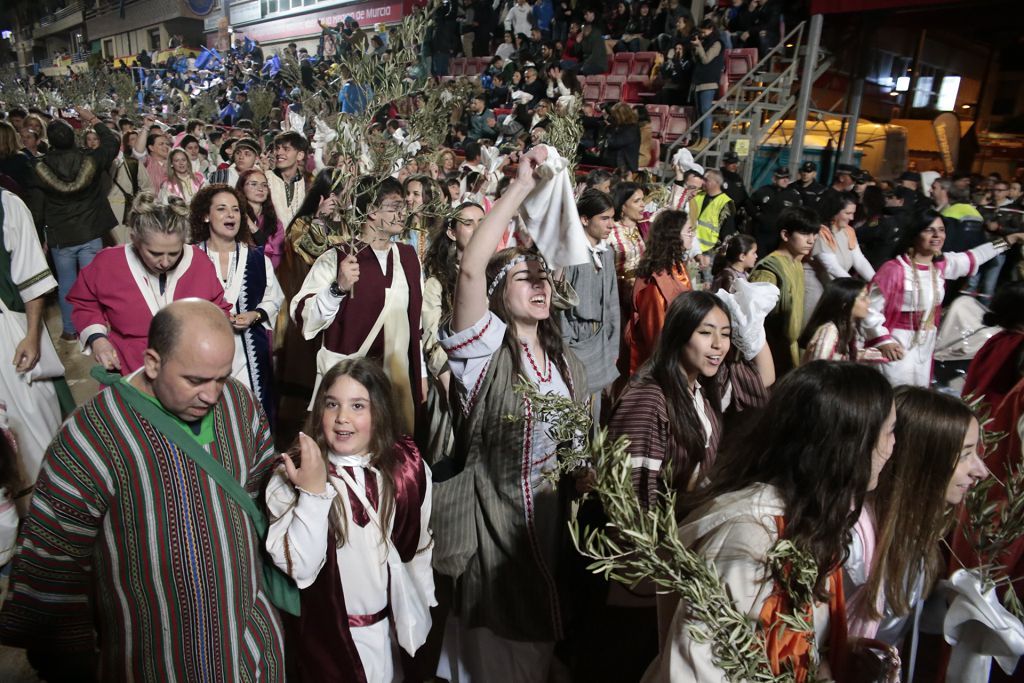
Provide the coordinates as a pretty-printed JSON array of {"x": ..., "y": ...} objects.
[
  {"x": 622, "y": 147},
  {"x": 68, "y": 195}
]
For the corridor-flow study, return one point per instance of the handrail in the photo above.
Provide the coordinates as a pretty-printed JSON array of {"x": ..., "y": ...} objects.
[
  {"x": 62, "y": 13},
  {"x": 748, "y": 78}
]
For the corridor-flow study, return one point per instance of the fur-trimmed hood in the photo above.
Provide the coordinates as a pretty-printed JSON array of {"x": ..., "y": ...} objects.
[{"x": 67, "y": 172}]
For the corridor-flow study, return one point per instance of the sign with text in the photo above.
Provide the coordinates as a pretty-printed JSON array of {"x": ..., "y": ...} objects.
[{"x": 367, "y": 14}]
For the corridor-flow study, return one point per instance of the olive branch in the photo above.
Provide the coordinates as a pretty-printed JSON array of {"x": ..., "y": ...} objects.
[
  {"x": 995, "y": 519},
  {"x": 643, "y": 545}
]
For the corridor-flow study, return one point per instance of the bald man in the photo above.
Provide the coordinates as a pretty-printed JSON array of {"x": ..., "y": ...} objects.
[{"x": 128, "y": 538}]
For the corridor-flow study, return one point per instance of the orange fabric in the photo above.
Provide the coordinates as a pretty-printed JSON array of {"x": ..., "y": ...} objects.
[
  {"x": 787, "y": 645},
  {"x": 651, "y": 298},
  {"x": 826, "y": 234}
]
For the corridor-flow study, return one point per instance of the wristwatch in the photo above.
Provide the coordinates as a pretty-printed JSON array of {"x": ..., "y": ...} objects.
[{"x": 336, "y": 291}]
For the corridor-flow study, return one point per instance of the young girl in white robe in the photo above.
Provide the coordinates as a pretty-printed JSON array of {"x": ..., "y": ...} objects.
[{"x": 349, "y": 510}]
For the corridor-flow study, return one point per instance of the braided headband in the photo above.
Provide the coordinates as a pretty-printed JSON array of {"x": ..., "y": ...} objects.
[{"x": 521, "y": 258}]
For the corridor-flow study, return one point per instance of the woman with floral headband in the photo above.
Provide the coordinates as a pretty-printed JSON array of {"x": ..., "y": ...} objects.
[{"x": 499, "y": 519}]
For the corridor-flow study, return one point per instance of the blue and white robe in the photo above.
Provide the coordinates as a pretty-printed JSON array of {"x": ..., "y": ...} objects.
[{"x": 250, "y": 284}]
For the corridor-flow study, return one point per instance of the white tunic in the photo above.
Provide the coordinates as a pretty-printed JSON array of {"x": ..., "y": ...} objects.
[
  {"x": 923, "y": 290},
  {"x": 233, "y": 279},
  {"x": 297, "y": 542},
  {"x": 33, "y": 411}
]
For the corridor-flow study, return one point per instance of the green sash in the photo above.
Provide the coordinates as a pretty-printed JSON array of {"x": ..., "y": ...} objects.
[{"x": 279, "y": 586}]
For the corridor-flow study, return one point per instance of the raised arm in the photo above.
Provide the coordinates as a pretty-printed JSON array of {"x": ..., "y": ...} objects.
[
  {"x": 471, "y": 290},
  {"x": 140, "y": 139}
]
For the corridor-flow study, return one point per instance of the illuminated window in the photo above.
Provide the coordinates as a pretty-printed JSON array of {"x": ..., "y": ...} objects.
[
  {"x": 947, "y": 93},
  {"x": 923, "y": 93}
]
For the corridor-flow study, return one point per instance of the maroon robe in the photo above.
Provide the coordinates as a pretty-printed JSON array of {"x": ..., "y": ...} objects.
[
  {"x": 321, "y": 641},
  {"x": 359, "y": 312}
]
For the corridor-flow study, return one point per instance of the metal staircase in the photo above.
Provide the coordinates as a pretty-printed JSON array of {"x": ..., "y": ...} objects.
[{"x": 754, "y": 105}]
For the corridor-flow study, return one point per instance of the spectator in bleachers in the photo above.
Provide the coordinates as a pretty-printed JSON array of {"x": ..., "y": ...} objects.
[
  {"x": 507, "y": 49},
  {"x": 569, "y": 49},
  {"x": 548, "y": 57},
  {"x": 675, "y": 76},
  {"x": 543, "y": 15},
  {"x": 640, "y": 31},
  {"x": 737, "y": 23},
  {"x": 622, "y": 139},
  {"x": 497, "y": 97},
  {"x": 681, "y": 32},
  {"x": 591, "y": 51},
  {"x": 668, "y": 13},
  {"x": 482, "y": 122},
  {"x": 562, "y": 83},
  {"x": 562, "y": 18},
  {"x": 618, "y": 20},
  {"x": 468, "y": 26},
  {"x": 709, "y": 61},
  {"x": 764, "y": 26},
  {"x": 518, "y": 18},
  {"x": 534, "y": 86}
]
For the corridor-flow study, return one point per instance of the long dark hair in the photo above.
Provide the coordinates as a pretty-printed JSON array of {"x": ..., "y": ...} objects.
[
  {"x": 549, "y": 332},
  {"x": 813, "y": 442},
  {"x": 384, "y": 416},
  {"x": 910, "y": 503},
  {"x": 442, "y": 258},
  {"x": 435, "y": 202},
  {"x": 831, "y": 203},
  {"x": 836, "y": 307},
  {"x": 621, "y": 194},
  {"x": 323, "y": 186},
  {"x": 1007, "y": 307},
  {"x": 664, "y": 251},
  {"x": 268, "y": 212},
  {"x": 199, "y": 212},
  {"x": 920, "y": 222},
  {"x": 684, "y": 315}
]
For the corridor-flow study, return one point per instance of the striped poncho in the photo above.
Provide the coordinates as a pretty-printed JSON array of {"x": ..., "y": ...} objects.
[{"x": 128, "y": 539}]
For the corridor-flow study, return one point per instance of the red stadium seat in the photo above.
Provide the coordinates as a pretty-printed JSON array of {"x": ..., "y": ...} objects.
[
  {"x": 612, "y": 90},
  {"x": 643, "y": 62},
  {"x": 591, "y": 91},
  {"x": 677, "y": 125},
  {"x": 622, "y": 63},
  {"x": 655, "y": 153},
  {"x": 457, "y": 67}
]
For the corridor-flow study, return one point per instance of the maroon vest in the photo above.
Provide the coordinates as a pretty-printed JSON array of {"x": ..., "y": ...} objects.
[
  {"x": 321, "y": 644},
  {"x": 358, "y": 313}
]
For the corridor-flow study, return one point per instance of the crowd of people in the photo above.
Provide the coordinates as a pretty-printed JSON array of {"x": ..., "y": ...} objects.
[{"x": 314, "y": 458}]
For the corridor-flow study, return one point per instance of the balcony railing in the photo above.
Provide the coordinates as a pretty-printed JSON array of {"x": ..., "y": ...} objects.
[{"x": 62, "y": 13}]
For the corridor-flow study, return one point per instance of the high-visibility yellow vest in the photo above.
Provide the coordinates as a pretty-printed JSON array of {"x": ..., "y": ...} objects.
[{"x": 708, "y": 219}]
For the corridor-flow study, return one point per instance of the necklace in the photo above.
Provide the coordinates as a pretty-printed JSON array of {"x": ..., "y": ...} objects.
[
  {"x": 533, "y": 363},
  {"x": 925, "y": 316}
]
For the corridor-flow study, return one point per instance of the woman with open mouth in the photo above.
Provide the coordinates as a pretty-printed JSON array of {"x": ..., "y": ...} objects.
[
  {"x": 907, "y": 292},
  {"x": 499, "y": 517},
  {"x": 221, "y": 230}
]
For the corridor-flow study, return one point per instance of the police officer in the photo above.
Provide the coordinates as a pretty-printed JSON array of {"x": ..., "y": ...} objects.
[
  {"x": 808, "y": 187},
  {"x": 764, "y": 207},
  {"x": 733, "y": 184}
]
